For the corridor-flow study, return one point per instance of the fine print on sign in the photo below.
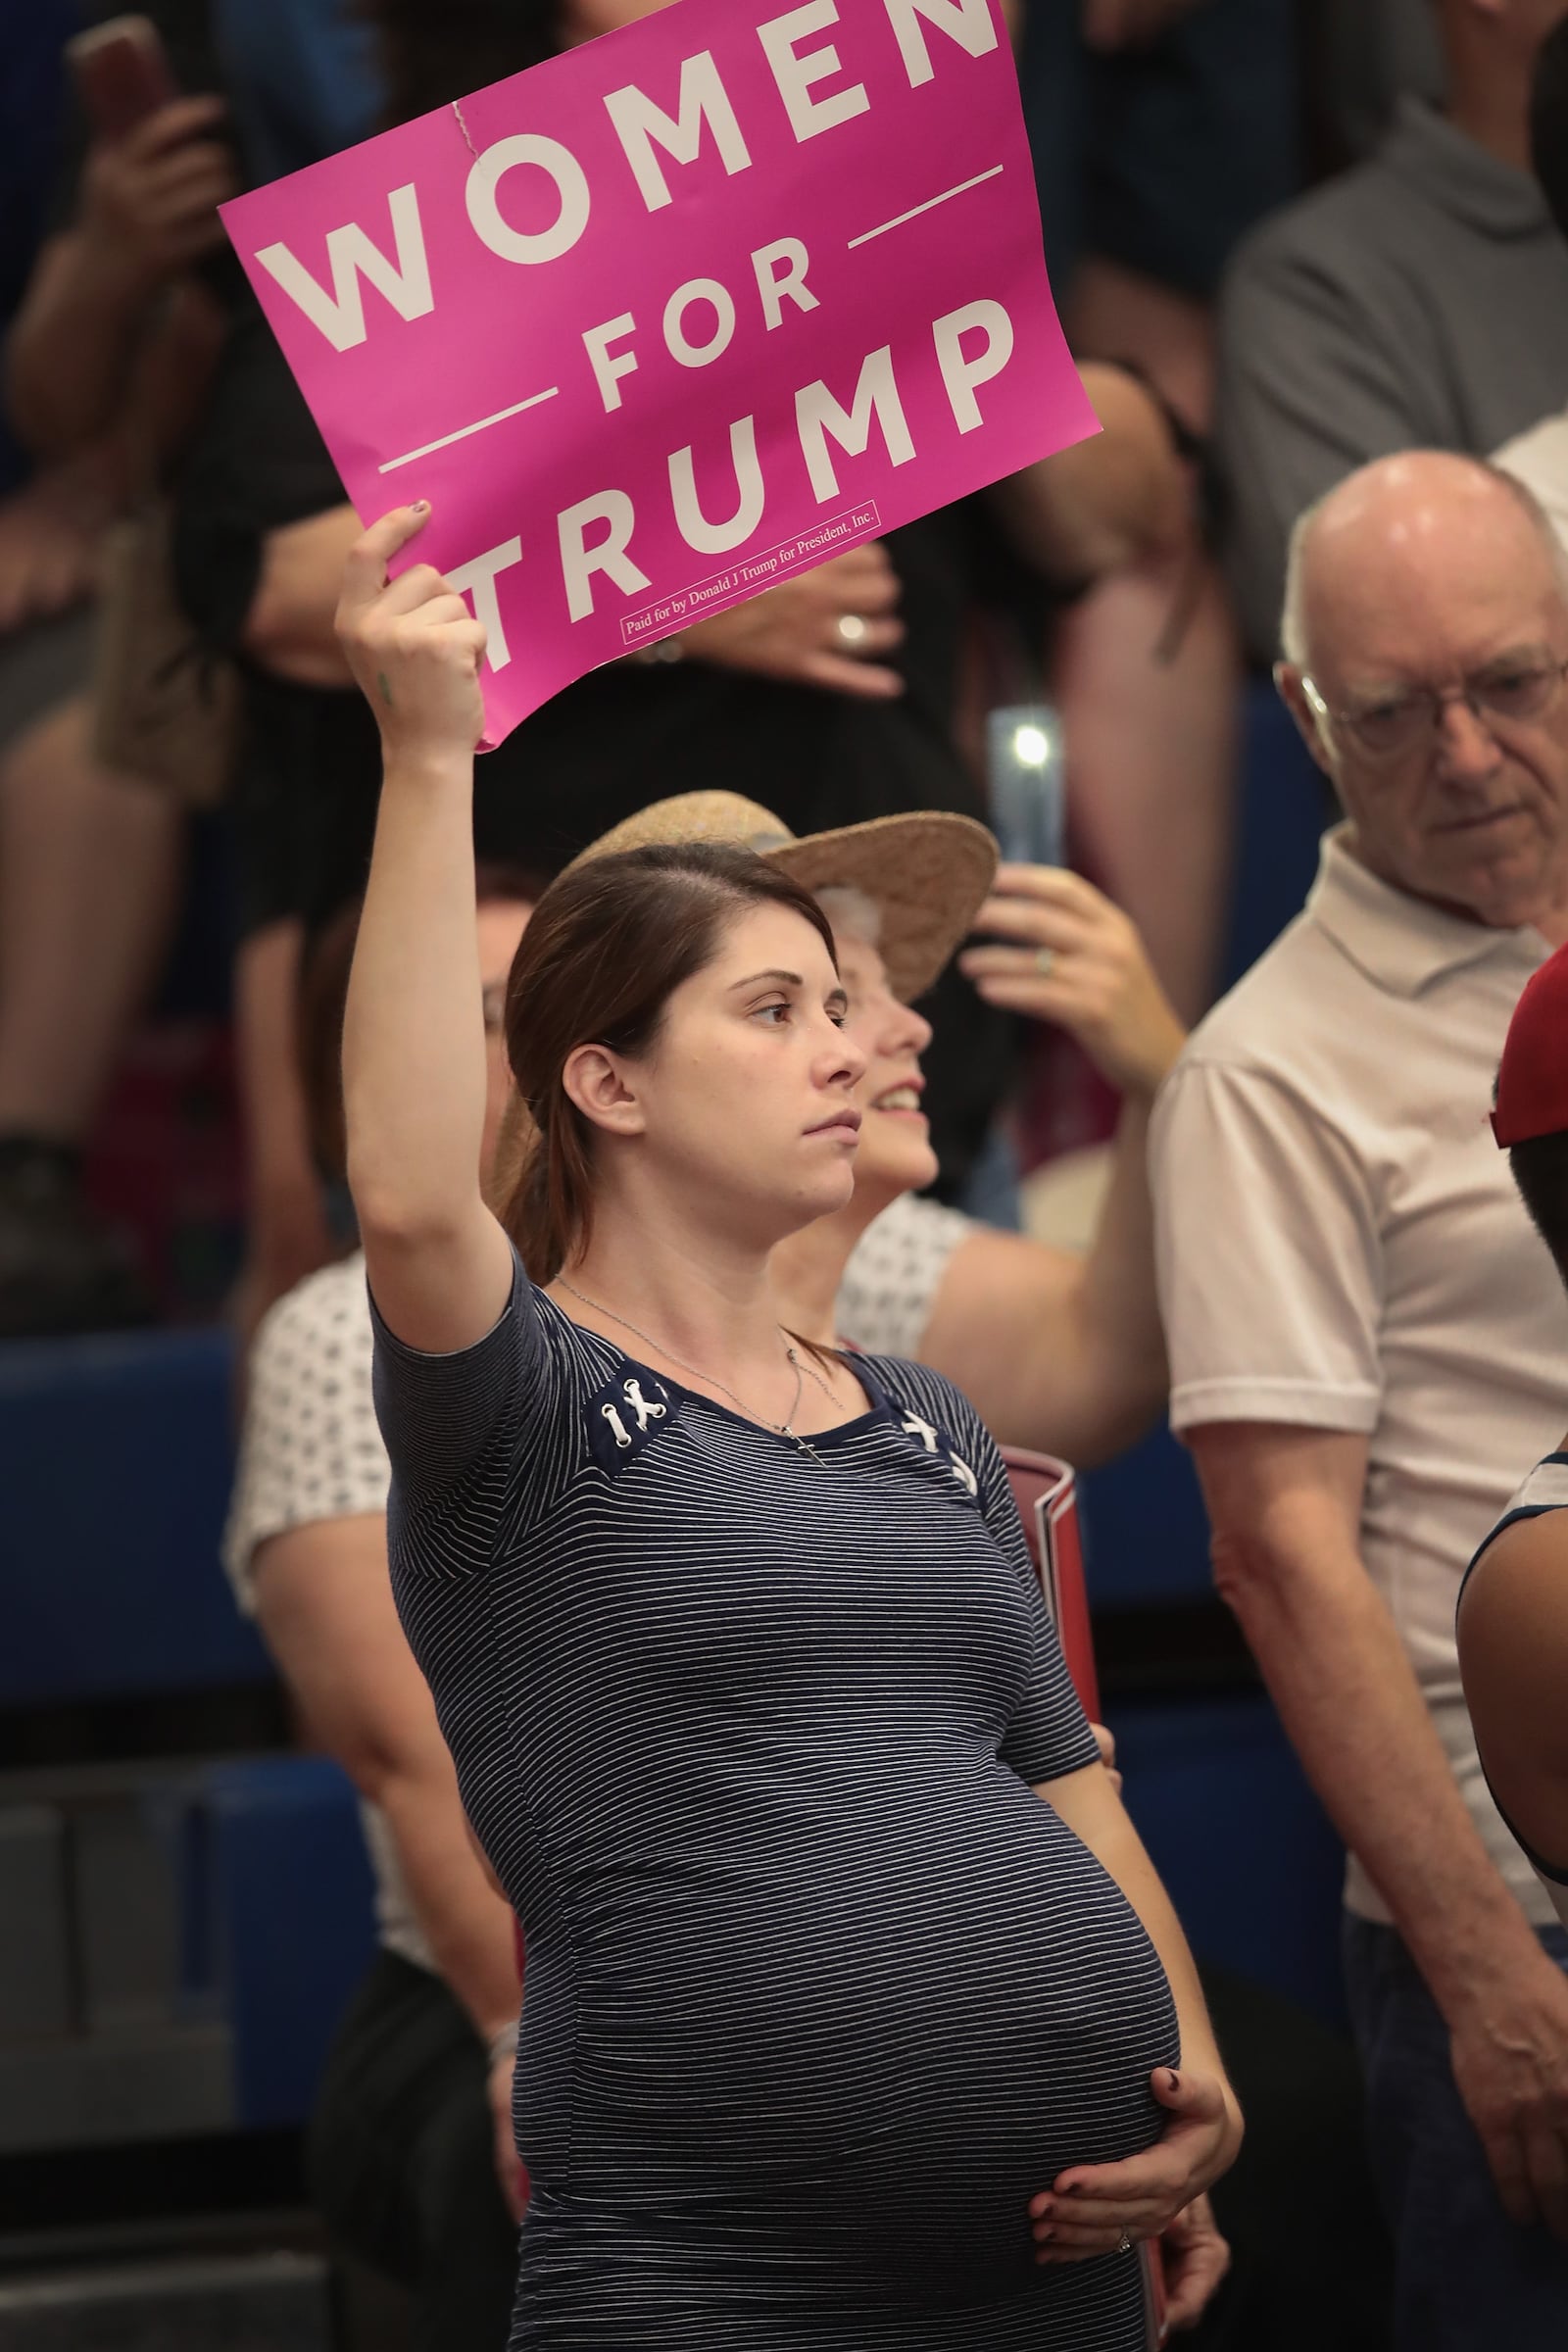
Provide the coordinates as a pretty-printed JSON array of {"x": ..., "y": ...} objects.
[
  {"x": 750, "y": 576},
  {"x": 677, "y": 313}
]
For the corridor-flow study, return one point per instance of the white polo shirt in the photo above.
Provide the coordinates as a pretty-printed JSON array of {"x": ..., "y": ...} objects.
[{"x": 1340, "y": 1247}]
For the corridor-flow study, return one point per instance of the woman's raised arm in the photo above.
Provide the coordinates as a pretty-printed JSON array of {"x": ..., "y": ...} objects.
[{"x": 414, "y": 1051}]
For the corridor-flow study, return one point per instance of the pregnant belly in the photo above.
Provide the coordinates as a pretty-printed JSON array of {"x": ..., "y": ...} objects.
[{"x": 893, "y": 2043}]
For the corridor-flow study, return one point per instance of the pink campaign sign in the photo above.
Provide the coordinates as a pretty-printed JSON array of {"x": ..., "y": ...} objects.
[{"x": 690, "y": 306}]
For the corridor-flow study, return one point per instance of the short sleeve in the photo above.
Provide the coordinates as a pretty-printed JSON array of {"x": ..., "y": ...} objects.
[
  {"x": 310, "y": 1447},
  {"x": 455, "y": 1424},
  {"x": 890, "y": 1285},
  {"x": 1270, "y": 1256},
  {"x": 1313, "y": 381},
  {"x": 1047, "y": 1735}
]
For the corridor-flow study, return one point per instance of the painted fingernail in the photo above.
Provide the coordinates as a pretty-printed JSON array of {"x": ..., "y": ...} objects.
[
  {"x": 420, "y": 506},
  {"x": 1043, "y": 2237},
  {"x": 1173, "y": 2081}
]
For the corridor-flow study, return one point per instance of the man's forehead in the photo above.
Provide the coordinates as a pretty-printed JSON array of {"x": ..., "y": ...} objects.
[{"x": 1393, "y": 614}]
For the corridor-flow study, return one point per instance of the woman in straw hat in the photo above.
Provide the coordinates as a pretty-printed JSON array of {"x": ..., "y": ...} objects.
[
  {"x": 752, "y": 1696},
  {"x": 1059, "y": 1349}
]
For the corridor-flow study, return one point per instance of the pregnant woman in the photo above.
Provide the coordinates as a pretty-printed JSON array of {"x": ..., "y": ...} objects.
[{"x": 842, "y": 1955}]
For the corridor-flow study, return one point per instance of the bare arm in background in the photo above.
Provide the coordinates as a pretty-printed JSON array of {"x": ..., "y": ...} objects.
[
  {"x": 1285, "y": 1506},
  {"x": 1062, "y": 1351},
  {"x": 116, "y": 282},
  {"x": 325, "y": 1605},
  {"x": 1105, "y": 503}
]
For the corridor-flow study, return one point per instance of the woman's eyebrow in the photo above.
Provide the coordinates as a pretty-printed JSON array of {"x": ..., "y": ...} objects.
[{"x": 790, "y": 979}]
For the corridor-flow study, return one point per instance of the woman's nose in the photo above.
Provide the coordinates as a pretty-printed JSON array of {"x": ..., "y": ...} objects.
[
  {"x": 844, "y": 1063},
  {"x": 900, "y": 1028}
]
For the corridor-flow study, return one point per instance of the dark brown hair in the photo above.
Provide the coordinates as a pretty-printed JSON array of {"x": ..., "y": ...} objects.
[
  {"x": 324, "y": 991},
  {"x": 608, "y": 946},
  {"x": 1540, "y": 1167}
]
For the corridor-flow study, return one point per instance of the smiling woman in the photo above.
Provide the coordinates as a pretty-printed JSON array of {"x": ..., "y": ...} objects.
[{"x": 843, "y": 1957}]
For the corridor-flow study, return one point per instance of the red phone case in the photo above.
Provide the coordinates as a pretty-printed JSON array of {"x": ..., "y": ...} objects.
[{"x": 123, "y": 74}]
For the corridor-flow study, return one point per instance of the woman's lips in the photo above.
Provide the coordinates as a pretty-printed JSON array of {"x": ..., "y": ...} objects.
[{"x": 901, "y": 1101}]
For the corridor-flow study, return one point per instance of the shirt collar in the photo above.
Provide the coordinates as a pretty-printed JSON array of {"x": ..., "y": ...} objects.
[
  {"x": 1461, "y": 177},
  {"x": 1403, "y": 944}
]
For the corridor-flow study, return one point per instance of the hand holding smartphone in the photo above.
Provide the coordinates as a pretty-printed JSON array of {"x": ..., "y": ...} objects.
[
  {"x": 157, "y": 169},
  {"x": 123, "y": 74}
]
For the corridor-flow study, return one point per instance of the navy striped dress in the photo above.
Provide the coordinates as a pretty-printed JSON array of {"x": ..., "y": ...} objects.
[{"x": 819, "y": 1991}]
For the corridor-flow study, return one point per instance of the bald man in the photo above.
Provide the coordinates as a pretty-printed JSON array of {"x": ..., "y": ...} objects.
[{"x": 1367, "y": 1337}]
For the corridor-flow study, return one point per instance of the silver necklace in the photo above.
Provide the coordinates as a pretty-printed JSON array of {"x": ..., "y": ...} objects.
[{"x": 783, "y": 1428}]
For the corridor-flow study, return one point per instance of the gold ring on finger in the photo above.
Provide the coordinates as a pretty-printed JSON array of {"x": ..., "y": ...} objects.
[{"x": 852, "y": 630}]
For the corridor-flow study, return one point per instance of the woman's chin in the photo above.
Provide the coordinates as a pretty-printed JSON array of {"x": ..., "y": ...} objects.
[{"x": 894, "y": 1165}]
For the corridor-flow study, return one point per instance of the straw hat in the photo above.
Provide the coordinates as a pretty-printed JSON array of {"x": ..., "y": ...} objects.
[{"x": 927, "y": 871}]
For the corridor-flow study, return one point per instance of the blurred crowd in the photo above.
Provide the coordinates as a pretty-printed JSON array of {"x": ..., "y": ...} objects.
[
  {"x": 1290, "y": 240},
  {"x": 173, "y": 528}
]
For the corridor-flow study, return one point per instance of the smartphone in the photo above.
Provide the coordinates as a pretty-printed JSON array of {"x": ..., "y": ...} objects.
[
  {"x": 123, "y": 74},
  {"x": 1026, "y": 783}
]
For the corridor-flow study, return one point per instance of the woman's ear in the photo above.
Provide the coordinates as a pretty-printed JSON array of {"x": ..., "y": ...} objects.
[{"x": 596, "y": 1082}]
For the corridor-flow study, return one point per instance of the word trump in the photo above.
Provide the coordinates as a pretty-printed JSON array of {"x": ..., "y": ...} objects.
[
  {"x": 645, "y": 133},
  {"x": 819, "y": 419}
]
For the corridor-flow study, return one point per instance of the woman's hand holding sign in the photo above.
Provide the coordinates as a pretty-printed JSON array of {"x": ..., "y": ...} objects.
[
  {"x": 823, "y": 627},
  {"x": 414, "y": 647}
]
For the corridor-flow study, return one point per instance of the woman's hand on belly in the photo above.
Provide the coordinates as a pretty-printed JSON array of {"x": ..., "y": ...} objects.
[{"x": 1090, "y": 2208}]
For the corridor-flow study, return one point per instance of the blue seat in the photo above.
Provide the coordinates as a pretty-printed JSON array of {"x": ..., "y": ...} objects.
[
  {"x": 290, "y": 1903},
  {"x": 1283, "y": 807},
  {"x": 1245, "y": 1851},
  {"x": 116, "y": 1455},
  {"x": 1145, "y": 1532}
]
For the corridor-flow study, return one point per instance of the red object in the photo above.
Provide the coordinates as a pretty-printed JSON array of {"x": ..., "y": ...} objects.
[
  {"x": 121, "y": 74},
  {"x": 1533, "y": 1079},
  {"x": 1045, "y": 1491}
]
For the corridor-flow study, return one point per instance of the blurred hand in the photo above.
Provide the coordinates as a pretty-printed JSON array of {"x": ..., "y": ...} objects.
[
  {"x": 1079, "y": 963},
  {"x": 509, "y": 2163},
  {"x": 792, "y": 631},
  {"x": 149, "y": 201},
  {"x": 1197, "y": 2259},
  {"x": 413, "y": 644},
  {"x": 50, "y": 535},
  {"x": 1090, "y": 2208},
  {"x": 1106, "y": 1741},
  {"x": 1130, "y": 23}
]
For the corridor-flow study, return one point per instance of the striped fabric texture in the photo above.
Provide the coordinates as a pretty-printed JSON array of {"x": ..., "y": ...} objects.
[{"x": 819, "y": 1991}]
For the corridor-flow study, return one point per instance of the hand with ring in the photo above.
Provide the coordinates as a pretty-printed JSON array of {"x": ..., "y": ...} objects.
[
  {"x": 1056, "y": 949},
  {"x": 830, "y": 628},
  {"x": 1098, "y": 2209}
]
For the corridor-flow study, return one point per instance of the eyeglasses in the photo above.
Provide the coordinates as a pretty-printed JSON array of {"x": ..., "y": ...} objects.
[{"x": 1391, "y": 725}]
